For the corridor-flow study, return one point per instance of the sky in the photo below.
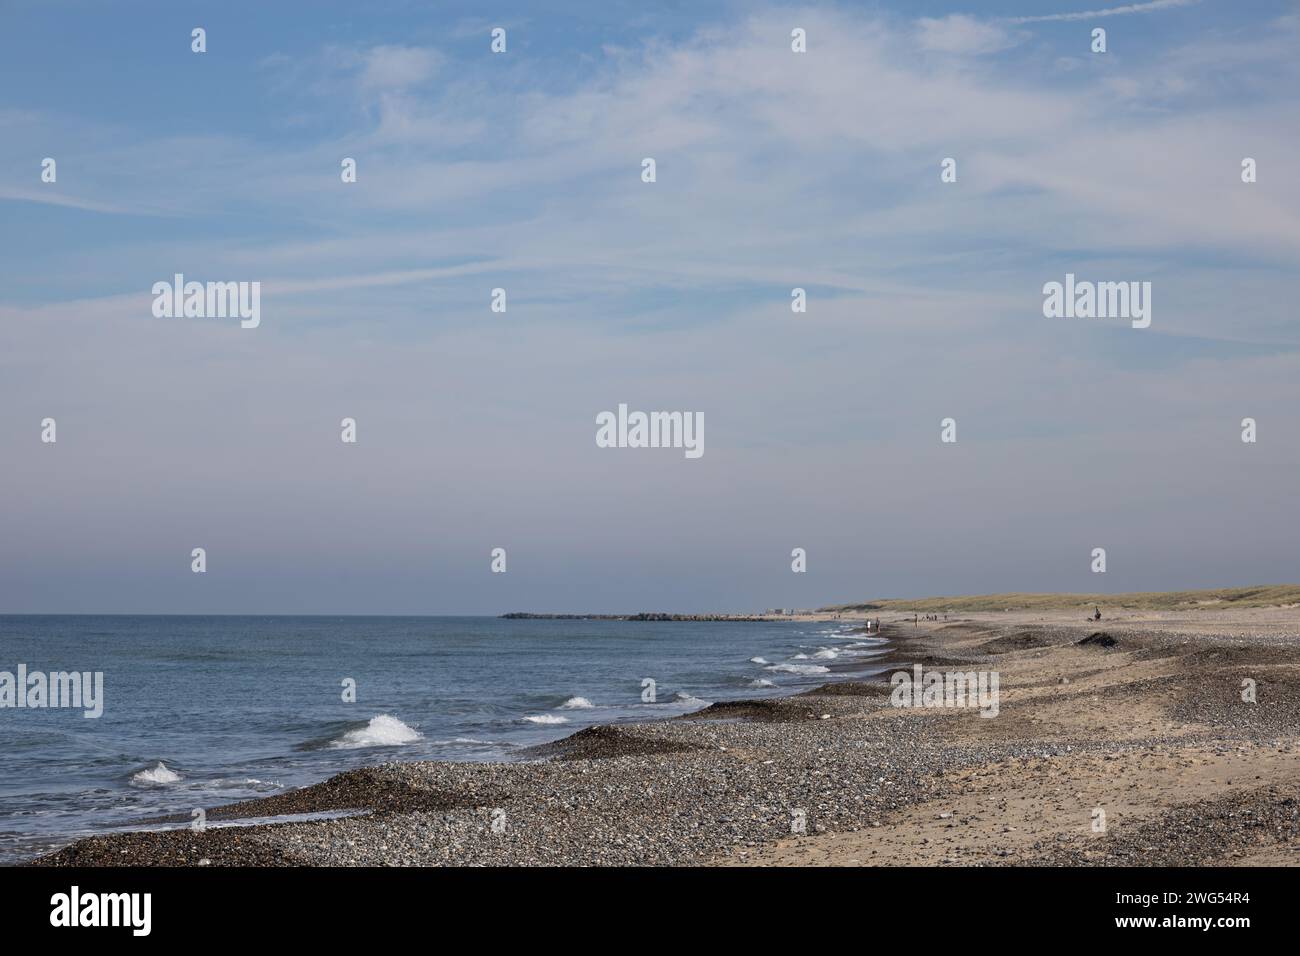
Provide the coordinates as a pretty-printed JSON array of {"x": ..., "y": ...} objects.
[{"x": 522, "y": 170}]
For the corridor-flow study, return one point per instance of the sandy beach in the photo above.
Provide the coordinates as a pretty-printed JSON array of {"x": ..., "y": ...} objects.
[{"x": 1122, "y": 742}]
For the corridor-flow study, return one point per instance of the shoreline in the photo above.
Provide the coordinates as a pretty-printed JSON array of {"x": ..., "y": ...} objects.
[
  {"x": 1143, "y": 726},
  {"x": 651, "y": 616},
  {"x": 363, "y": 790}
]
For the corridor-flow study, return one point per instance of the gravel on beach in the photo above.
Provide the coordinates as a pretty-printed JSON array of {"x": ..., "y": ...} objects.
[{"x": 739, "y": 778}]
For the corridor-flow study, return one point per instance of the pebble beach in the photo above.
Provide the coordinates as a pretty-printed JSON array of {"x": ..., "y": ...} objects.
[{"x": 1121, "y": 742}]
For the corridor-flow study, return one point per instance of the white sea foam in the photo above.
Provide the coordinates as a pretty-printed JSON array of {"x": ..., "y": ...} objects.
[
  {"x": 577, "y": 703},
  {"x": 758, "y": 660},
  {"x": 826, "y": 654},
  {"x": 547, "y": 719},
  {"x": 241, "y": 783},
  {"x": 800, "y": 668},
  {"x": 761, "y": 682},
  {"x": 382, "y": 731},
  {"x": 158, "y": 776},
  {"x": 799, "y": 657},
  {"x": 684, "y": 698}
]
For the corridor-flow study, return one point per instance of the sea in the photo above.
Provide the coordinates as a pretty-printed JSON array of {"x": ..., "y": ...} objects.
[{"x": 204, "y": 711}]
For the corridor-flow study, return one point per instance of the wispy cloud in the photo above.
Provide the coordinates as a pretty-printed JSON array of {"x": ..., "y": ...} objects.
[
  {"x": 397, "y": 67},
  {"x": 959, "y": 33},
  {"x": 54, "y": 198}
]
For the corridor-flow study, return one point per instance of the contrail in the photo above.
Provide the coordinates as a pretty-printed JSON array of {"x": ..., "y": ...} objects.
[{"x": 1149, "y": 7}]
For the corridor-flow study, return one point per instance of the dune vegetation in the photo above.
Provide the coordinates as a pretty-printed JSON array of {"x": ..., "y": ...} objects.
[{"x": 1266, "y": 595}]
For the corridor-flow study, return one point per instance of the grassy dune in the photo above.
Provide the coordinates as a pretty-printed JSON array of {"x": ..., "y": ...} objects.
[{"x": 1266, "y": 595}]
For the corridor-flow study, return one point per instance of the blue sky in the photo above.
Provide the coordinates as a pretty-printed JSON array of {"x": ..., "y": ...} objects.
[{"x": 522, "y": 171}]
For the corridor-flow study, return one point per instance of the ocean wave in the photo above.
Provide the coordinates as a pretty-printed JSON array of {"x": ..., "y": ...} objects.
[
  {"x": 826, "y": 654},
  {"x": 243, "y": 783},
  {"x": 684, "y": 698},
  {"x": 800, "y": 668},
  {"x": 866, "y": 652},
  {"x": 158, "y": 776},
  {"x": 547, "y": 719},
  {"x": 576, "y": 703},
  {"x": 758, "y": 660},
  {"x": 382, "y": 731},
  {"x": 761, "y": 682}
]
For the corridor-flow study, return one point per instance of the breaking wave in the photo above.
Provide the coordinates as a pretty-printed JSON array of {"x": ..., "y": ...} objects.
[
  {"x": 799, "y": 668},
  {"x": 158, "y": 776},
  {"x": 382, "y": 731}
]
